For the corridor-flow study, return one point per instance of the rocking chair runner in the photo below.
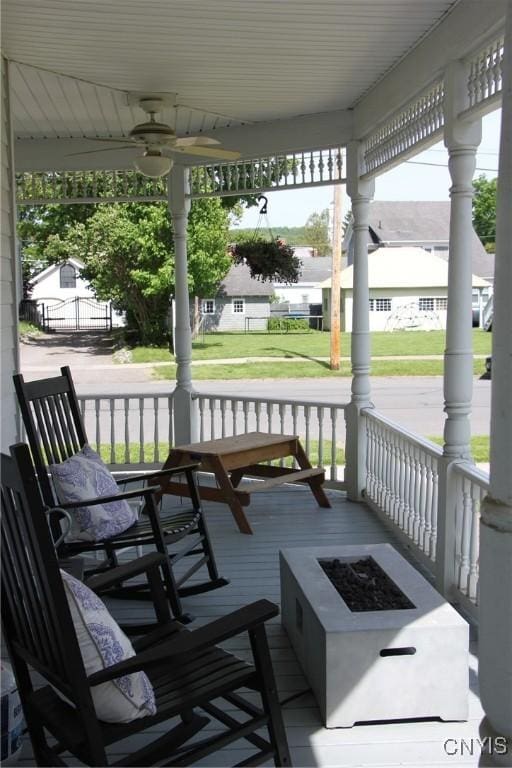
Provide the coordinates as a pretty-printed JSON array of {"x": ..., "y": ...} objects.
[
  {"x": 187, "y": 671},
  {"x": 55, "y": 432}
]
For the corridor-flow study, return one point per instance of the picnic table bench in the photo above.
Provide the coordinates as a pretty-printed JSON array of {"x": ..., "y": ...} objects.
[{"x": 232, "y": 458}]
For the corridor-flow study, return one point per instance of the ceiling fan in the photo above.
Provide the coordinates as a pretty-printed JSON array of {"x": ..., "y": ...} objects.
[{"x": 157, "y": 138}]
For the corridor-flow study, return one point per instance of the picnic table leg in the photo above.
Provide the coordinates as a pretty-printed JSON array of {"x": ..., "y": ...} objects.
[
  {"x": 315, "y": 483},
  {"x": 229, "y": 494}
]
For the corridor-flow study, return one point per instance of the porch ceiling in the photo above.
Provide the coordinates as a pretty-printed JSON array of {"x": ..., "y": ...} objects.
[{"x": 230, "y": 62}]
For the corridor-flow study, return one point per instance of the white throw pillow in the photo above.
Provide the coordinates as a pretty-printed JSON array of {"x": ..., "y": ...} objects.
[
  {"x": 102, "y": 644},
  {"x": 85, "y": 476}
]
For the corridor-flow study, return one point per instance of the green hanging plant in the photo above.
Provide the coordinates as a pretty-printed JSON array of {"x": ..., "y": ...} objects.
[{"x": 270, "y": 260}]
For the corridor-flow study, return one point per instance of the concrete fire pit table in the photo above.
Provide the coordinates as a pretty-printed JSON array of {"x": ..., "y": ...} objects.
[{"x": 377, "y": 664}]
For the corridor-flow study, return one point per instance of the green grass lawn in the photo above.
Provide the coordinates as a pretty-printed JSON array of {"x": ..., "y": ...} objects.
[
  {"x": 479, "y": 451},
  {"x": 479, "y": 447},
  {"x": 310, "y": 345},
  {"x": 134, "y": 453},
  {"x": 309, "y": 369}
]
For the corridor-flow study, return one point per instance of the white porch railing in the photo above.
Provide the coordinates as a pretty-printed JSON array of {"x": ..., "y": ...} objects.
[
  {"x": 129, "y": 431},
  {"x": 403, "y": 470},
  {"x": 469, "y": 486},
  {"x": 136, "y": 430},
  {"x": 320, "y": 426},
  {"x": 403, "y": 484}
]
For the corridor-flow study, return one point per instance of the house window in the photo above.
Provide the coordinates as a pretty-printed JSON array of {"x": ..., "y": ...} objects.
[
  {"x": 67, "y": 276},
  {"x": 442, "y": 303},
  {"x": 380, "y": 305},
  {"x": 426, "y": 305},
  {"x": 208, "y": 307},
  {"x": 238, "y": 306}
]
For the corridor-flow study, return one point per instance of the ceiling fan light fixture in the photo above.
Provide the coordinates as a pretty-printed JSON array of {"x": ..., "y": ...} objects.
[{"x": 153, "y": 164}]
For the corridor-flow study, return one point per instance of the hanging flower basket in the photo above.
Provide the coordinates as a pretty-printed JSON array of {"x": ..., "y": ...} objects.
[{"x": 270, "y": 260}]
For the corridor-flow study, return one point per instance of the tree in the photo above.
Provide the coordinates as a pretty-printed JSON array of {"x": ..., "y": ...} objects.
[
  {"x": 316, "y": 232},
  {"x": 128, "y": 251},
  {"x": 484, "y": 211}
]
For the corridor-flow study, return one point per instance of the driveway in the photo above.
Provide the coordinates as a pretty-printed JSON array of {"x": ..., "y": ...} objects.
[{"x": 89, "y": 355}]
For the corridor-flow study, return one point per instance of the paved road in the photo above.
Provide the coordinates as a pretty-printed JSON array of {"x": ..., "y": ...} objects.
[{"x": 414, "y": 402}]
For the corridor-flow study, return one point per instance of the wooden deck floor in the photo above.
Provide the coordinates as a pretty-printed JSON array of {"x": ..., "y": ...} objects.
[{"x": 290, "y": 518}]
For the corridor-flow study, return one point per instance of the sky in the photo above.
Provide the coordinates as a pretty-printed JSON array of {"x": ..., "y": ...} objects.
[{"x": 408, "y": 181}]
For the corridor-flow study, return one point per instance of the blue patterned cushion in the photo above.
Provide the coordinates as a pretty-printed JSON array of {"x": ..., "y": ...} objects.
[
  {"x": 85, "y": 476},
  {"x": 102, "y": 644}
]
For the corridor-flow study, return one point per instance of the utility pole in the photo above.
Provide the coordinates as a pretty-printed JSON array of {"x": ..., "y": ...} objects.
[{"x": 336, "y": 277}]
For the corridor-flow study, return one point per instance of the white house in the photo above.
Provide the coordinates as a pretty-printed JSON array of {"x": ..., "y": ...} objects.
[
  {"x": 241, "y": 303},
  {"x": 408, "y": 290},
  {"x": 59, "y": 282},
  {"x": 69, "y": 301},
  {"x": 426, "y": 224}
]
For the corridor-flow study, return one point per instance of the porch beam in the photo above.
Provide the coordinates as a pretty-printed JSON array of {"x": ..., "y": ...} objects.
[
  {"x": 185, "y": 406},
  {"x": 495, "y": 625},
  {"x": 361, "y": 193}
]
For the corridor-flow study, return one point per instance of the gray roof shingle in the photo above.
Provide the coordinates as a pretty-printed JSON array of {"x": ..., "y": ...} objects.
[
  {"x": 417, "y": 222},
  {"x": 238, "y": 282}
]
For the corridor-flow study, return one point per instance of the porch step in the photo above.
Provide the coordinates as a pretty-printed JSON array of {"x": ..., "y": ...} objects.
[{"x": 286, "y": 477}]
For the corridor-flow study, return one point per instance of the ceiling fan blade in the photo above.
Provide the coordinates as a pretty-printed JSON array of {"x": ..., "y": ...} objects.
[
  {"x": 221, "y": 154},
  {"x": 195, "y": 141},
  {"x": 105, "y": 149},
  {"x": 109, "y": 138}
]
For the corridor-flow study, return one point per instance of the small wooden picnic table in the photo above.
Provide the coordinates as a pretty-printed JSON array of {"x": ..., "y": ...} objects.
[{"x": 232, "y": 458}]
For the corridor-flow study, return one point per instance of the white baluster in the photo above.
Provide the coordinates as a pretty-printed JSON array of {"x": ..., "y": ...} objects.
[
  {"x": 334, "y": 463},
  {"x": 467, "y": 524},
  {"x": 97, "y": 407},
  {"x": 112, "y": 406},
  {"x": 320, "y": 413},
  {"x": 427, "y": 544},
  {"x": 475, "y": 544},
  {"x": 213, "y": 433},
  {"x": 126, "y": 403},
  {"x": 156, "y": 435},
  {"x": 223, "y": 417},
  {"x": 141, "y": 430}
]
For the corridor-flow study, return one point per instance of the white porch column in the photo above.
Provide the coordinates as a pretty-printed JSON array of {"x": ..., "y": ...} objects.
[
  {"x": 462, "y": 140},
  {"x": 9, "y": 272},
  {"x": 361, "y": 193},
  {"x": 185, "y": 408},
  {"x": 495, "y": 620}
]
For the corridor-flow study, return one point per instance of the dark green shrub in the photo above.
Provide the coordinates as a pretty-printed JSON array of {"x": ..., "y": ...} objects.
[{"x": 286, "y": 324}]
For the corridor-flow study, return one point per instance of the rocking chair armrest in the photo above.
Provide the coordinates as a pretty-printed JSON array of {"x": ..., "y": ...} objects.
[
  {"x": 183, "y": 643},
  {"x": 121, "y": 573},
  {"x": 149, "y": 491},
  {"x": 158, "y": 473}
]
